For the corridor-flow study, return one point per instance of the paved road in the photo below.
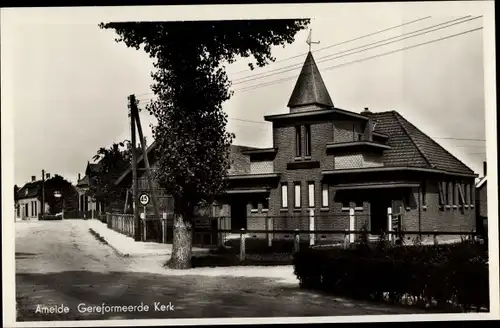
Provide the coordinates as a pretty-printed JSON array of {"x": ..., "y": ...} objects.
[{"x": 60, "y": 262}]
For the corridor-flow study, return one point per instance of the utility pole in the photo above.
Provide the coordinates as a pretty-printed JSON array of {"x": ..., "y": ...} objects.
[
  {"x": 43, "y": 194},
  {"x": 135, "y": 199},
  {"x": 146, "y": 163}
]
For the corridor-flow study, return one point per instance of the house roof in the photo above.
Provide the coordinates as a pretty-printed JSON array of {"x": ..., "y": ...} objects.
[
  {"x": 236, "y": 148},
  {"x": 310, "y": 88},
  {"x": 30, "y": 190},
  {"x": 84, "y": 181},
  {"x": 93, "y": 167},
  {"x": 481, "y": 182},
  {"x": 413, "y": 148}
]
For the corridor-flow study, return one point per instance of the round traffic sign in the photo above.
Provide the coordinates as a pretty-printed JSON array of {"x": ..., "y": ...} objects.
[{"x": 144, "y": 199}]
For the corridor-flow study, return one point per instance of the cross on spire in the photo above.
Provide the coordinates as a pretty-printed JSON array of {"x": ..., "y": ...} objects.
[{"x": 309, "y": 40}]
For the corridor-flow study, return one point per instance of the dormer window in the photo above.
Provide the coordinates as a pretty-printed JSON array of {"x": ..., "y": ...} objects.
[{"x": 26, "y": 192}]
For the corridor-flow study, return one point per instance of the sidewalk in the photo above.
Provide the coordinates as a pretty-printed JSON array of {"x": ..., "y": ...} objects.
[{"x": 126, "y": 246}]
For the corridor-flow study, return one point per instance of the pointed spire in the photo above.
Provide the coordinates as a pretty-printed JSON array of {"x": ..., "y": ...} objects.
[{"x": 309, "y": 88}]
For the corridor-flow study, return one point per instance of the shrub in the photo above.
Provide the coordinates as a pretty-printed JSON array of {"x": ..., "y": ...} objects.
[
  {"x": 49, "y": 217},
  {"x": 429, "y": 275}
]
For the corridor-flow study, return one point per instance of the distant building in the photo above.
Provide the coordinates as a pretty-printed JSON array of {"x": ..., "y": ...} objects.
[
  {"x": 482, "y": 200},
  {"x": 330, "y": 160},
  {"x": 86, "y": 205},
  {"x": 28, "y": 204}
]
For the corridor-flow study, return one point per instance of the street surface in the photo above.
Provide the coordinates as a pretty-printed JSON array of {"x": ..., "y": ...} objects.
[{"x": 60, "y": 263}]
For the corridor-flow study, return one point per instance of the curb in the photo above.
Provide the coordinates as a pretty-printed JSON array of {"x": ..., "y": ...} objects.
[{"x": 103, "y": 240}]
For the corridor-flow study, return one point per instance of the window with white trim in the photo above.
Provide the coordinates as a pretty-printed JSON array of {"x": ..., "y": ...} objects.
[
  {"x": 324, "y": 196},
  {"x": 284, "y": 195},
  {"x": 311, "y": 194},
  {"x": 297, "y": 195}
]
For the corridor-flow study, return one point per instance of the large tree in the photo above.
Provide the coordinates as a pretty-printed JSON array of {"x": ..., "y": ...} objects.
[
  {"x": 114, "y": 161},
  {"x": 16, "y": 192},
  {"x": 191, "y": 84},
  {"x": 69, "y": 195}
]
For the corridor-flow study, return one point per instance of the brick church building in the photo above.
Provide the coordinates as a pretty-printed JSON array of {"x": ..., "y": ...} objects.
[{"x": 328, "y": 160}]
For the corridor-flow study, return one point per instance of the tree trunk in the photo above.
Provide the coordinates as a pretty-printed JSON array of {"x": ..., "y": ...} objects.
[{"x": 182, "y": 243}]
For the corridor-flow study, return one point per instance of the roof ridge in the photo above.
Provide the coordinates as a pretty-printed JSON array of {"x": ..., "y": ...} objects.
[
  {"x": 398, "y": 118},
  {"x": 437, "y": 144}
]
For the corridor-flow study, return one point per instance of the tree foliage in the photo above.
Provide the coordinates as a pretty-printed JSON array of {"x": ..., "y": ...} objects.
[
  {"x": 191, "y": 83},
  {"x": 114, "y": 161},
  {"x": 68, "y": 193},
  {"x": 16, "y": 192}
]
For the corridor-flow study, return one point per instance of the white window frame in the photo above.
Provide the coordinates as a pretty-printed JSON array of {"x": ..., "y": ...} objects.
[
  {"x": 311, "y": 194},
  {"x": 284, "y": 195},
  {"x": 296, "y": 195},
  {"x": 324, "y": 196}
]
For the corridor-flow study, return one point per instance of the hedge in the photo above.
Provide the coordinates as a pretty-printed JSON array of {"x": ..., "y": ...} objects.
[
  {"x": 432, "y": 276},
  {"x": 49, "y": 217}
]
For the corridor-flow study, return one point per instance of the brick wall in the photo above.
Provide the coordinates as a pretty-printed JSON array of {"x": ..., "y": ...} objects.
[
  {"x": 346, "y": 131},
  {"x": 482, "y": 200},
  {"x": 239, "y": 163},
  {"x": 359, "y": 160},
  {"x": 257, "y": 167},
  {"x": 436, "y": 217},
  {"x": 306, "y": 108},
  {"x": 373, "y": 159}
]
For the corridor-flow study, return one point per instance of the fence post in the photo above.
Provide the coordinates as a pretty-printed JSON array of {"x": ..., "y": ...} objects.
[
  {"x": 296, "y": 241},
  {"x": 351, "y": 225},
  {"x": 435, "y": 238},
  {"x": 144, "y": 229},
  {"x": 133, "y": 226},
  {"x": 242, "y": 244},
  {"x": 346, "y": 238},
  {"x": 269, "y": 227},
  {"x": 163, "y": 236},
  {"x": 219, "y": 233},
  {"x": 311, "y": 227},
  {"x": 390, "y": 237}
]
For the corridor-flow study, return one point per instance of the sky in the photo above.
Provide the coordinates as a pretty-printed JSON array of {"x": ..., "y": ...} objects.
[{"x": 69, "y": 81}]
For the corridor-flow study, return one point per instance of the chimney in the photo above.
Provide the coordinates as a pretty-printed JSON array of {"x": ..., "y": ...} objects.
[
  {"x": 484, "y": 168},
  {"x": 33, "y": 178},
  {"x": 47, "y": 176},
  {"x": 366, "y": 111},
  {"x": 78, "y": 177}
]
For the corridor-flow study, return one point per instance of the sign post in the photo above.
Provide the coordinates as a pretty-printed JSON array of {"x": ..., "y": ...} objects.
[{"x": 144, "y": 200}]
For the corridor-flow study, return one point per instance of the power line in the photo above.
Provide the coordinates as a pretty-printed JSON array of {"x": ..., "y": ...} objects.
[
  {"x": 448, "y": 138},
  {"x": 332, "y": 56},
  {"x": 471, "y": 139},
  {"x": 347, "y": 41},
  {"x": 256, "y": 86},
  {"x": 328, "y": 57}
]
